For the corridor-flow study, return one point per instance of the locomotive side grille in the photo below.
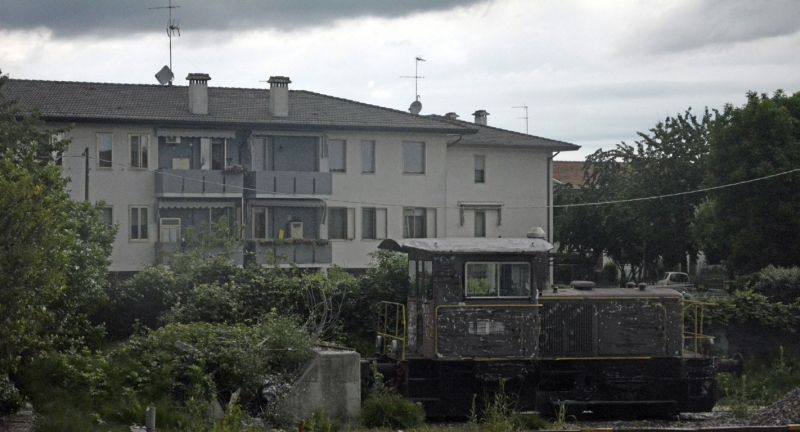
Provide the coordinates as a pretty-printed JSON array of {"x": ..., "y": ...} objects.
[{"x": 566, "y": 329}]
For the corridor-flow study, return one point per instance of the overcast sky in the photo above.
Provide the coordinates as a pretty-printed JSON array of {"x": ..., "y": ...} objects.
[{"x": 592, "y": 73}]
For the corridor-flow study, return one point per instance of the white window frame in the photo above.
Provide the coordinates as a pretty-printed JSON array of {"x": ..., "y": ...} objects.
[
  {"x": 350, "y": 223},
  {"x": 343, "y": 169},
  {"x": 424, "y": 161},
  {"x": 430, "y": 222},
  {"x": 497, "y": 279},
  {"x": 142, "y": 161},
  {"x": 368, "y": 144},
  {"x": 100, "y": 162},
  {"x": 482, "y": 159},
  {"x": 144, "y": 223},
  {"x": 380, "y": 223},
  {"x": 162, "y": 225}
]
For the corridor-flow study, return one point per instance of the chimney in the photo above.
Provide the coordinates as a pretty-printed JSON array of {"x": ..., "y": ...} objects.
[
  {"x": 279, "y": 96},
  {"x": 451, "y": 115},
  {"x": 480, "y": 117},
  {"x": 198, "y": 93}
]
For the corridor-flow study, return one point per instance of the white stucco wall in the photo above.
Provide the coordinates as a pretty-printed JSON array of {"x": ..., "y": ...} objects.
[
  {"x": 517, "y": 178},
  {"x": 119, "y": 186},
  {"x": 388, "y": 187}
]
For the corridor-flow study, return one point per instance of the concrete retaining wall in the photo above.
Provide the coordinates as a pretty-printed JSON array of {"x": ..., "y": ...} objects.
[{"x": 332, "y": 381}]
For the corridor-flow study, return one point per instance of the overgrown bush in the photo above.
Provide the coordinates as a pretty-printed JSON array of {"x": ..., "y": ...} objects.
[
  {"x": 610, "y": 274},
  {"x": 384, "y": 408},
  {"x": 778, "y": 284},
  {"x": 10, "y": 400},
  {"x": 748, "y": 306}
]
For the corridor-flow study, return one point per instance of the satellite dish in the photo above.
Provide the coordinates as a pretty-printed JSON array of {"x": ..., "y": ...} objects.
[
  {"x": 165, "y": 76},
  {"x": 415, "y": 107}
]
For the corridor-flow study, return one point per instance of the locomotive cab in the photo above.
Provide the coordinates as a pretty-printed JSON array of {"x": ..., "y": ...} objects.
[{"x": 473, "y": 298}]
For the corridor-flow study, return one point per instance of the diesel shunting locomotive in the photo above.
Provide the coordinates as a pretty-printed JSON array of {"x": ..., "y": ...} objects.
[{"x": 481, "y": 316}]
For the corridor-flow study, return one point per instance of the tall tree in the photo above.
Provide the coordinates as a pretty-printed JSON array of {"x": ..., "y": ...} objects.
[
  {"x": 755, "y": 224},
  {"x": 642, "y": 234},
  {"x": 53, "y": 251}
]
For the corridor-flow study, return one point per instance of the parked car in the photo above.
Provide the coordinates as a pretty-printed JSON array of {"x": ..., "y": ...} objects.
[{"x": 675, "y": 278}]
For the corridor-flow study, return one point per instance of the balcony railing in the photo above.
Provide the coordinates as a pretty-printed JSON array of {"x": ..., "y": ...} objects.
[
  {"x": 164, "y": 250},
  {"x": 294, "y": 253},
  {"x": 198, "y": 183},
  {"x": 262, "y": 183}
]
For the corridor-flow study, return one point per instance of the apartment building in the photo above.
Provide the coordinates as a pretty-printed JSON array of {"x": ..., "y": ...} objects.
[{"x": 313, "y": 179}]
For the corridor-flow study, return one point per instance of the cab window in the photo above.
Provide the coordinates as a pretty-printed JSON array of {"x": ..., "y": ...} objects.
[{"x": 494, "y": 279}]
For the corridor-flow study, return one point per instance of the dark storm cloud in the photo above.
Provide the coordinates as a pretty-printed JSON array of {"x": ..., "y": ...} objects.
[
  {"x": 698, "y": 24},
  {"x": 73, "y": 18}
]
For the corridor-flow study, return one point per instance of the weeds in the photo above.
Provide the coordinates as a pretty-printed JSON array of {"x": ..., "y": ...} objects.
[{"x": 385, "y": 408}]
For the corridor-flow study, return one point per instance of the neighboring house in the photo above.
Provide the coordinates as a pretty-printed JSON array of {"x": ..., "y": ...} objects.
[
  {"x": 568, "y": 172},
  {"x": 335, "y": 176}
]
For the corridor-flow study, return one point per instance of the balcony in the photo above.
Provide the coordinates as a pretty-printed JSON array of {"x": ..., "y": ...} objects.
[
  {"x": 198, "y": 184},
  {"x": 266, "y": 183},
  {"x": 164, "y": 250},
  {"x": 310, "y": 252}
]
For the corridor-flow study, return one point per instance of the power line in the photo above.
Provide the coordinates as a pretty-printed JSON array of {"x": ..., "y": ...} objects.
[{"x": 244, "y": 188}]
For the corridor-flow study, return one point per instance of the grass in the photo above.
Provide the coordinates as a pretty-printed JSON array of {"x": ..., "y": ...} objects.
[{"x": 762, "y": 385}]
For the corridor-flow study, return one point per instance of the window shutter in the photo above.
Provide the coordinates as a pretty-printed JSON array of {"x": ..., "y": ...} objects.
[
  {"x": 351, "y": 223},
  {"x": 431, "y": 222},
  {"x": 380, "y": 223}
]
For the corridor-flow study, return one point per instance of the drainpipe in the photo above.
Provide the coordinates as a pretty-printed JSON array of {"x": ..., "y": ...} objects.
[{"x": 550, "y": 205}]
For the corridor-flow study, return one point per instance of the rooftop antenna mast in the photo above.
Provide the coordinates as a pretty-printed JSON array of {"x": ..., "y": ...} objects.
[
  {"x": 416, "y": 76},
  {"x": 416, "y": 106},
  {"x": 173, "y": 26},
  {"x": 526, "y": 117}
]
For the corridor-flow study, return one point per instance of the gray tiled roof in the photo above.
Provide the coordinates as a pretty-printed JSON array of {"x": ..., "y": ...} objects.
[
  {"x": 492, "y": 136},
  {"x": 231, "y": 107}
]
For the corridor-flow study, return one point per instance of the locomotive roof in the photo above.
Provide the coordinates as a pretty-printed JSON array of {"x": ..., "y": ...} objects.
[
  {"x": 632, "y": 293},
  {"x": 469, "y": 245}
]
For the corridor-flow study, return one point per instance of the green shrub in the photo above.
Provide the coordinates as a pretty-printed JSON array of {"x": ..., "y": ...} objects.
[
  {"x": 384, "y": 408},
  {"x": 778, "y": 284},
  {"x": 610, "y": 274},
  {"x": 390, "y": 410},
  {"x": 10, "y": 400},
  {"x": 748, "y": 306},
  {"x": 320, "y": 422},
  {"x": 763, "y": 384}
]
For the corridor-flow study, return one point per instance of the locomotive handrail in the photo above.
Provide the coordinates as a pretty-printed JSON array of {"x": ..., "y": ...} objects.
[
  {"x": 399, "y": 313},
  {"x": 697, "y": 334}
]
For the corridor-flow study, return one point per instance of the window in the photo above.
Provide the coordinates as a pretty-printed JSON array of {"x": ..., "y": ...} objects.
[
  {"x": 480, "y": 169},
  {"x": 373, "y": 223},
  {"x": 138, "y": 148},
  {"x": 368, "y": 157},
  {"x": 341, "y": 223},
  {"x": 260, "y": 223},
  {"x": 138, "y": 223},
  {"x": 105, "y": 143},
  {"x": 419, "y": 222},
  {"x": 217, "y": 153},
  {"x": 413, "y": 158},
  {"x": 57, "y": 156},
  {"x": 498, "y": 279},
  {"x": 170, "y": 230},
  {"x": 337, "y": 151},
  {"x": 107, "y": 215},
  {"x": 480, "y": 224}
]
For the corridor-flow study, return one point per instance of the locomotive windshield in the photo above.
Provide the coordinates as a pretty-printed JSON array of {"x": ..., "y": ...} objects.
[{"x": 494, "y": 279}]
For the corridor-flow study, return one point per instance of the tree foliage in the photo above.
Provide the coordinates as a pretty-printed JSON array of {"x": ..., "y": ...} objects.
[
  {"x": 53, "y": 251},
  {"x": 756, "y": 224},
  {"x": 645, "y": 234}
]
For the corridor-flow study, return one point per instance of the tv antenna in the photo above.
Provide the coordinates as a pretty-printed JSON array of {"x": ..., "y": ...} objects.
[
  {"x": 416, "y": 106},
  {"x": 526, "y": 117},
  {"x": 173, "y": 27}
]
